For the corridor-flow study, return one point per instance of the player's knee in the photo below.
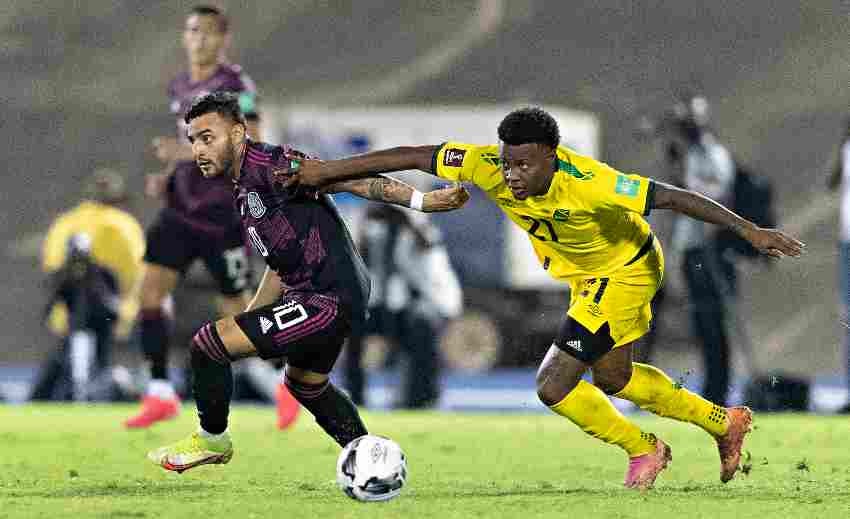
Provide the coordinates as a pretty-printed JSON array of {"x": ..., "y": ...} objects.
[
  {"x": 157, "y": 284},
  {"x": 549, "y": 390},
  {"x": 304, "y": 390},
  {"x": 612, "y": 381},
  {"x": 206, "y": 344},
  {"x": 154, "y": 295},
  {"x": 151, "y": 300}
]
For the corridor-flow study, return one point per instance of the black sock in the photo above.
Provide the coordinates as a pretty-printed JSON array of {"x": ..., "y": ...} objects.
[
  {"x": 155, "y": 331},
  {"x": 334, "y": 412},
  {"x": 212, "y": 379}
]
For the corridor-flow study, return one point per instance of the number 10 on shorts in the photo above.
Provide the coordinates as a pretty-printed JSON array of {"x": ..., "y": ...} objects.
[{"x": 285, "y": 316}]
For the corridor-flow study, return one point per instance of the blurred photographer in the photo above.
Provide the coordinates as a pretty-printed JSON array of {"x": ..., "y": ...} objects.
[
  {"x": 92, "y": 257},
  {"x": 704, "y": 165},
  {"x": 90, "y": 294},
  {"x": 415, "y": 292}
]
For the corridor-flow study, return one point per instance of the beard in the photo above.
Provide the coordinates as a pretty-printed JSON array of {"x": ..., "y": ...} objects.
[
  {"x": 215, "y": 168},
  {"x": 227, "y": 165}
]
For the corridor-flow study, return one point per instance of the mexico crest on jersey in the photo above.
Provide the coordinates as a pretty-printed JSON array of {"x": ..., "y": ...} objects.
[{"x": 255, "y": 205}]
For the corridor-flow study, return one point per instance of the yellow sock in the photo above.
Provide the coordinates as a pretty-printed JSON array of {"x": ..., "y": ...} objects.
[
  {"x": 654, "y": 391},
  {"x": 589, "y": 408}
]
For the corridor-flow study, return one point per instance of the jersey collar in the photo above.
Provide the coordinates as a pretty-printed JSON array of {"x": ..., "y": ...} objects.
[{"x": 238, "y": 167}]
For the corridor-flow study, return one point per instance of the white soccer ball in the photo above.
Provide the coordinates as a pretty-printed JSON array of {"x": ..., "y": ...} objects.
[{"x": 371, "y": 468}]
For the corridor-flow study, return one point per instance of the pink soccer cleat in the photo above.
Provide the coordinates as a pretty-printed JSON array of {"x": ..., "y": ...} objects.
[
  {"x": 154, "y": 409},
  {"x": 730, "y": 444},
  {"x": 644, "y": 469},
  {"x": 287, "y": 407}
]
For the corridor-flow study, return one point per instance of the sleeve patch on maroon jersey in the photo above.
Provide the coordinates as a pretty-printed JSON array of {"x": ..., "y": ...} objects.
[{"x": 454, "y": 157}]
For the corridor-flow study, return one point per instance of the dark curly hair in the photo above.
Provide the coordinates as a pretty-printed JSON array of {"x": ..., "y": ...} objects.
[
  {"x": 529, "y": 125},
  {"x": 208, "y": 10},
  {"x": 226, "y": 104}
]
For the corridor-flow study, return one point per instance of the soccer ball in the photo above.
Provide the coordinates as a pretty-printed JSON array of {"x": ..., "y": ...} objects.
[{"x": 371, "y": 468}]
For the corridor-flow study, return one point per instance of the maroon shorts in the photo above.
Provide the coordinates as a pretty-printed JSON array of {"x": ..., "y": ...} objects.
[{"x": 309, "y": 329}]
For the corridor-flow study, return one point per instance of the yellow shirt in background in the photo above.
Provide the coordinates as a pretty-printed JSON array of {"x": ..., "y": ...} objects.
[{"x": 118, "y": 244}]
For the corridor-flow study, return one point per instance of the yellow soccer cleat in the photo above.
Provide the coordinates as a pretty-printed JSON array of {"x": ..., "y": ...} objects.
[{"x": 193, "y": 451}]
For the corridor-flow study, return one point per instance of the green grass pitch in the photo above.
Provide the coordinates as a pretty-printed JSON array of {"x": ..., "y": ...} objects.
[{"x": 75, "y": 461}]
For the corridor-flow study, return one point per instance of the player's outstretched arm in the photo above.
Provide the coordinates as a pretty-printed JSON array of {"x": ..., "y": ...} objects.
[
  {"x": 393, "y": 191},
  {"x": 768, "y": 241},
  {"x": 321, "y": 172}
]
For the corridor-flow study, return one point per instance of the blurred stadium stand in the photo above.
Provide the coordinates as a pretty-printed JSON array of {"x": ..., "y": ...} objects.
[{"x": 83, "y": 86}]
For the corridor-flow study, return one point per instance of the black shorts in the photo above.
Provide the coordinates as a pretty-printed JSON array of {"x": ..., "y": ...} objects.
[
  {"x": 173, "y": 243},
  {"x": 309, "y": 329},
  {"x": 579, "y": 342}
]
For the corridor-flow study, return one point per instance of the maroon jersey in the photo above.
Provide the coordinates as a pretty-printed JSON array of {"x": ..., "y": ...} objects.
[
  {"x": 298, "y": 231},
  {"x": 206, "y": 204}
]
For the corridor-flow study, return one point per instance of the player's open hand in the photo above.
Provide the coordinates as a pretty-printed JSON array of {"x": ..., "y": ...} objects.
[
  {"x": 773, "y": 242},
  {"x": 156, "y": 184},
  {"x": 445, "y": 199}
]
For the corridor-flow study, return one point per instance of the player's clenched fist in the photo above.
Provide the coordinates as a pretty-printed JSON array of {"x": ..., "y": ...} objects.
[
  {"x": 302, "y": 170},
  {"x": 445, "y": 199}
]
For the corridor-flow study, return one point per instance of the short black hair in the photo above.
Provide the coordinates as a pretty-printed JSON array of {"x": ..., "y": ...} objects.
[
  {"x": 529, "y": 125},
  {"x": 224, "y": 103},
  {"x": 209, "y": 10}
]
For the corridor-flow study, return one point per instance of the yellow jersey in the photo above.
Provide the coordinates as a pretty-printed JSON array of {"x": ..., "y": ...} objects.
[
  {"x": 589, "y": 223},
  {"x": 118, "y": 244}
]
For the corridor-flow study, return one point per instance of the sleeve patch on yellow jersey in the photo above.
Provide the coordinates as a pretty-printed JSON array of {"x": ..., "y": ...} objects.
[
  {"x": 453, "y": 157},
  {"x": 491, "y": 158},
  {"x": 627, "y": 186},
  {"x": 573, "y": 171},
  {"x": 561, "y": 215}
]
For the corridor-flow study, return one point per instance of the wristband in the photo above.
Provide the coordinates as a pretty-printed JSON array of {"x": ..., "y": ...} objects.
[{"x": 417, "y": 199}]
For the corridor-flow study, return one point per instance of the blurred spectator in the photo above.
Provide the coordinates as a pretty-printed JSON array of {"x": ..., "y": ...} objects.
[
  {"x": 415, "y": 292},
  {"x": 92, "y": 254},
  {"x": 707, "y": 167},
  {"x": 840, "y": 179}
]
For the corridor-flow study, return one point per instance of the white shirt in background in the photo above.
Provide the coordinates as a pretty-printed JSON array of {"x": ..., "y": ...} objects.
[
  {"x": 709, "y": 170},
  {"x": 425, "y": 270},
  {"x": 844, "y": 223}
]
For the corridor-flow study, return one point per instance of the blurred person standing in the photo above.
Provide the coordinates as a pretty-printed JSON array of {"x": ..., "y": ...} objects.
[
  {"x": 707, "y": 167},
  {"x": 415, "y": 292},
  {"x": 92, "y": 255},
  {"x": 839, "y": 179},
  {"x": 198, "y": 220}
]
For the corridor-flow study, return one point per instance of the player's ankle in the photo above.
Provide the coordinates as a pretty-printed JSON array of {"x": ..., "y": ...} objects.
[{"x": 213, "y": 436}]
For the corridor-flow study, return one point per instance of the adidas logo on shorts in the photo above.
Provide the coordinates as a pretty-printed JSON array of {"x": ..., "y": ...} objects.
[
  {"x": 265, "y": 324},
  {"x": 575, "y": 344}
]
